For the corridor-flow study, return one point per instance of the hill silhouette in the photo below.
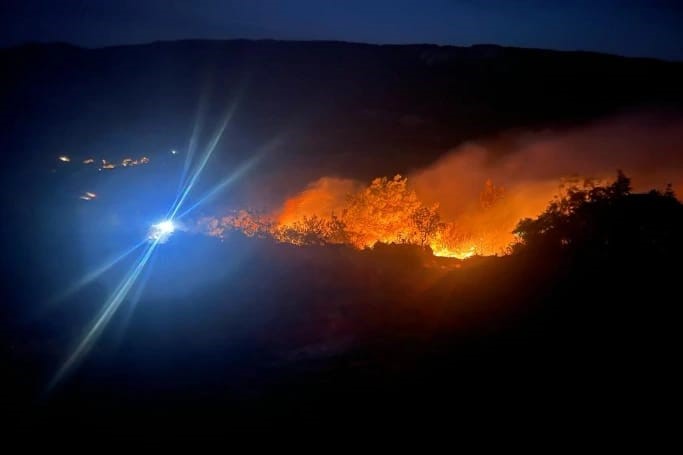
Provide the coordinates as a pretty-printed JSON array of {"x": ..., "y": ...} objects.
[
  {"x": 342, "y": 107},
  {"x": 248, "y": 333}
]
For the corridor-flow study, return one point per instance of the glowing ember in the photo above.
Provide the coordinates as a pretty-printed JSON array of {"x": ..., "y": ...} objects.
[
  {"x": 106, "y": 164},
  {"x": 88, "y": 196},
  {"x": 460, "y": 254}
]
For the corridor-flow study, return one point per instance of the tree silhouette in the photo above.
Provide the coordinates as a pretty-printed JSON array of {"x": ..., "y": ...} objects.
[
  {"x": 601, "y": 220},
  {"x": 491, "y": 194},
  {"x": 427, "y": 223},
  {"x": 312, "y": 230}
]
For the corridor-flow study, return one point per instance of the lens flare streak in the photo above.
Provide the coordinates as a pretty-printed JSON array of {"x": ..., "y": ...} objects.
[
  {"x": 106, "y": 314},
  {"x": 158, "y": 234},
  {"x": 222, "y": 185},
  {"x": 99, "y": 271},
  {"x": 201, "y": 165}
]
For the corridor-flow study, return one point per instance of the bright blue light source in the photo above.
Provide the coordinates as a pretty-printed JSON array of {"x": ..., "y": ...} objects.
[
  {"x": 165, "y": 227},
  {"x": 161, "y": 231}
]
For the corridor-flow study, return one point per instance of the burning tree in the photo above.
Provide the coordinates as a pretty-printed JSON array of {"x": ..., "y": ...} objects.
[
  {"x": 250, "y": 223},
  {"x": 426, "y": 223},
  {"x": 247, "y": 222},
  {"x": 490, "y": 195},
  {"x": 313, "y": 230},
  {"x": 381, "y": 212},
  {"x": 388, "y": 210}
]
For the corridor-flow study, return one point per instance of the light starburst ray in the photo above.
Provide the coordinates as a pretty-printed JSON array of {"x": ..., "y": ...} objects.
[
  {"x": 192, "y": 146},
  {"x": 221, "y": 186},
  {"x": 241, "y": 170},
  {"x": 202, "y": 163},
  {"x": 92, "y": 276},
  {"x": 108, "y": 311},
  {"x": 135, "y": 299},
  {"x": 164, "y": 227}
]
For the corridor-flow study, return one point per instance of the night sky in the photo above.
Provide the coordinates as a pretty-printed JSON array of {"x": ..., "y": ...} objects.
[{"x": 649, "y": 28}]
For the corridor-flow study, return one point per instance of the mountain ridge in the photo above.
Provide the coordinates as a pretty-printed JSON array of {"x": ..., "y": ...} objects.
[
  {"x": 335, "y": 108},
  {"x": 476, "y": 46}
]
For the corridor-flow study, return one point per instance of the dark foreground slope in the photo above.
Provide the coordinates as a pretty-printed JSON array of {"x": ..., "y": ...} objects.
[{"x": 317, "y": 337}]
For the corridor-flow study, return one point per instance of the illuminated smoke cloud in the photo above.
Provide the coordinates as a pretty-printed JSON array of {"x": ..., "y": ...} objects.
[
  {"x": 323, "y": 197},
  {"x": 532, "y": 166},
  {"x": 471, "y": 199}
]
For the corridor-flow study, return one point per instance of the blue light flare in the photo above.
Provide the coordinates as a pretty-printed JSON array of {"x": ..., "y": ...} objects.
[{"x": 158, "y": 234}]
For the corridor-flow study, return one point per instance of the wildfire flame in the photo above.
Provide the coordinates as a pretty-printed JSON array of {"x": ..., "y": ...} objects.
[
  {"x": 470, "y": 200},
  {"x": 388, "y": 210}
]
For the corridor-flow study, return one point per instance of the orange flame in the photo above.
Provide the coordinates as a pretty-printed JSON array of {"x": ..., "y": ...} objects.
[
  {"x": 470, "y": 200},
  {"x": 387, "y": 210}
]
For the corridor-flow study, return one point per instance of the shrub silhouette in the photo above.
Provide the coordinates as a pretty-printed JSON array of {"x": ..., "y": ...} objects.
[{"x": 606, "y": 220}]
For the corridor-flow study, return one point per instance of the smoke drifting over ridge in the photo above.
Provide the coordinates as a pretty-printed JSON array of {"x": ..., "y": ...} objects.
[
  {"x": 648, "y": 148},
  {"x": 483, "y": 189},
  {"x": 532, "y": 166}
]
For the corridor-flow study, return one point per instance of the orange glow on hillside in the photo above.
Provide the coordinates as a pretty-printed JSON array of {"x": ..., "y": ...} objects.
[
  {"x": 388, "y": 210},
  {"x": 470, "y": 200}
]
